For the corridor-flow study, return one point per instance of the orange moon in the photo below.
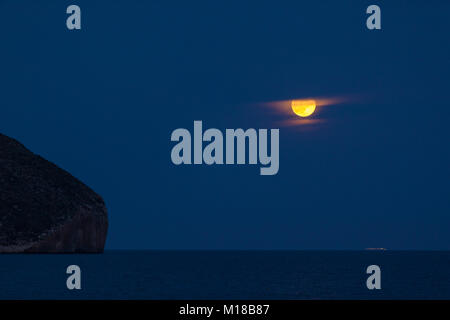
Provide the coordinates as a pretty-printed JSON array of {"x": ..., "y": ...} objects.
[{"x": 303, "y": 108}]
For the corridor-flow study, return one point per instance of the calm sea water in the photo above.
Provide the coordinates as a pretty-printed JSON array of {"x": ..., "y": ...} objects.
[{"x": 228, "y": 275}]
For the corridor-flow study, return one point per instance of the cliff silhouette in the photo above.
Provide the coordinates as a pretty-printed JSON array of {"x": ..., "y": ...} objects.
[{"x": 43, "y": 208}]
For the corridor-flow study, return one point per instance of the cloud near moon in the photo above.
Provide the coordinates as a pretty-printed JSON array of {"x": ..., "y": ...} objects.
[{"x": 300, "y": 112}]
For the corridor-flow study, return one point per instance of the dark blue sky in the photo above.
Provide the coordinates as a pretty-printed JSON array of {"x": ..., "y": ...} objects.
[{"x": 102, "y": 102}]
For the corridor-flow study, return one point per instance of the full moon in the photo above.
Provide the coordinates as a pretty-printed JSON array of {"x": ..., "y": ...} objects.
[{"x": 303, "y": 108}]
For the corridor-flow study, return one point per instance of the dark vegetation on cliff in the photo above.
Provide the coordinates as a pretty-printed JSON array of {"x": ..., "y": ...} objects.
[{"x": 44, "y": 208}]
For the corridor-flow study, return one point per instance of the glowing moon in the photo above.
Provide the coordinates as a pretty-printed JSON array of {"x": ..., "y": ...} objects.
[{"x": 303, "y": 108}]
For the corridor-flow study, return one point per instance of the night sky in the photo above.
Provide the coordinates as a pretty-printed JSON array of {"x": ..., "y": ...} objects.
[{"x": 103, "y": 101}]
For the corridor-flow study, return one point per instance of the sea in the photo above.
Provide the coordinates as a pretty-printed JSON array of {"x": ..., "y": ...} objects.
[{"x": 216, "y": 275}]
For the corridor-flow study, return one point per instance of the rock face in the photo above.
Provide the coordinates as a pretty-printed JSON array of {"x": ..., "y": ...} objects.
[{"x": 44, "y": 208}]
